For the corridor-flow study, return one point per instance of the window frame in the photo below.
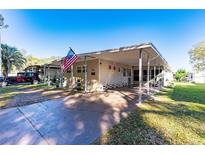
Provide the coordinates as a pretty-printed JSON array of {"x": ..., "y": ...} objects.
[{"x": 79, "y": 70}]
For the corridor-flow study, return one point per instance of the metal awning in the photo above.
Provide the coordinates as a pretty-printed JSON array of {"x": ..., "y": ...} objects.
[
  {"x": 129, "y": 55},
  {"x": 126, "y": 55}
]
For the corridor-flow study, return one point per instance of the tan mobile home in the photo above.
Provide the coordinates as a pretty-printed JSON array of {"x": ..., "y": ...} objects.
[{"x": 125, "y": 66}]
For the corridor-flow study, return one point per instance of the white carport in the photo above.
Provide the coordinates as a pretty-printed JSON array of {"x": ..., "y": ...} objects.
[
  {"x": 138, "y": 56},
  {"x": 143, "y": 57}
]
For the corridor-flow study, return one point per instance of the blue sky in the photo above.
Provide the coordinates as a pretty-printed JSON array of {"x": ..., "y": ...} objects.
[{"x": 44, "y": 33}]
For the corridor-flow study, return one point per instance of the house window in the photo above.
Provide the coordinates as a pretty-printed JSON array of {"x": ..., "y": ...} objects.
[
  {"x": 124, "y": 72},
  {"x": 118, "y": 69},
  {"x": 69, "y": 71},
  {"x": 136, "y": 75},
  {"x": 93, "y": 72},
  {"x": 83, "y": 68},
  {"x": 78, "y": 69},
  {"x": 129, "y": 72}
]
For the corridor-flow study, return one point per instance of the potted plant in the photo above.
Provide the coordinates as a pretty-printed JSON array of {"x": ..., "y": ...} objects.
[{"x": 78, "y": 86}]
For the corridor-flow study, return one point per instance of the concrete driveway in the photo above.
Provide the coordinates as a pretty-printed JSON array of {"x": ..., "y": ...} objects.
[{"x": 75, "y": 119}]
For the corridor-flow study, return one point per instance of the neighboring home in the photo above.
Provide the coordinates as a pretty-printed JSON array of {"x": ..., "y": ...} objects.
[
  {"x": 47, "y": 72},
  {"x": 52, "y": 71},
  {"x": 125, "y": 66},
  {"x": 33, "y": 68},
  {"x": 189, "y": 77},
  {"x": 199, "y": 77}
]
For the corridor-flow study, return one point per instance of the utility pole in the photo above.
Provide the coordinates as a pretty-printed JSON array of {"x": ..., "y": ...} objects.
[{"x": 2, "y": 26}]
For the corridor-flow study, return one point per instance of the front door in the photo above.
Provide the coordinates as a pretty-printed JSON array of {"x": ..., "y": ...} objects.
[{"x": 136, "y": 75}]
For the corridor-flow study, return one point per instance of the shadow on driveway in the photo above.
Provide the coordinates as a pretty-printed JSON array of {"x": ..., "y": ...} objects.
[{"x": 75, "y": 119}]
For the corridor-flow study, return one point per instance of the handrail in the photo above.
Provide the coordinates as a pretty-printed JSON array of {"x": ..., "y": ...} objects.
[{"x": 155, "y": 79}]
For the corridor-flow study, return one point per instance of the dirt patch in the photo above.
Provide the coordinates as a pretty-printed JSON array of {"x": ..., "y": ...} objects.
[{"x": 30, "y": 96}]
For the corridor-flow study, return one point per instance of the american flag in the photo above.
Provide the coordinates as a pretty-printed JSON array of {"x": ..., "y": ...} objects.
[{"x": 69, "y": 59}]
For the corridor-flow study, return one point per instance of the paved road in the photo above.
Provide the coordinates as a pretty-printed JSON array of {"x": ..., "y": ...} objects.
[{"x": 76, "y": 119}]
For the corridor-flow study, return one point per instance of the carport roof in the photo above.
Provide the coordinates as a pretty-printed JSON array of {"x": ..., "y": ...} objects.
[
  {"x": 120, "y": 54},
  {"x": 146, "y": 46}
]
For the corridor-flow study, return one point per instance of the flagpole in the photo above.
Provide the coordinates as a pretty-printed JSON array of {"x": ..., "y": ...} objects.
[{"x": 68, "y": 62}]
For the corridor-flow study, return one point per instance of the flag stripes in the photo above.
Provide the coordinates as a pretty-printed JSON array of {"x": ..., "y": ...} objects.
[
  {"x": 69, "y": 59},
  {"x": 69, "y": 63}
]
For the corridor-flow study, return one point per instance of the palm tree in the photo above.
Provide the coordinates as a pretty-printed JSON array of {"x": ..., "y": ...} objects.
[{"x": 11, "y": 57}]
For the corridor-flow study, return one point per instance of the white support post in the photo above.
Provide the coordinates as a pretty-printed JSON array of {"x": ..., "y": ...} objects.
[
  {"x": 140, "y": 76},
  {"x": 72, "y": 79},
  {"x": 48, "y": 72},
  {"x": 159, "y": 76},
  {"x": 61, "y": 74},
  {"x": 86, "y": 75},
  {"x": 163, "y": 80},
  {"x": 154, "y": 75},
  {"x": 44, "y": 73},
  {"x": 99, "y": 63},
  {"x": 148, "y": 77}
]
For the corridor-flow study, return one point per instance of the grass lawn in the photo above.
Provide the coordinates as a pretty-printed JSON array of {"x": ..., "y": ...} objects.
[
  {"x": 175, "y": 116},
  {"x": 10, "y": 92}
]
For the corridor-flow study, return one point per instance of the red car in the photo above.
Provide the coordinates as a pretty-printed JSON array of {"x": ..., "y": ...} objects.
[{"x": 24, "y": 77}]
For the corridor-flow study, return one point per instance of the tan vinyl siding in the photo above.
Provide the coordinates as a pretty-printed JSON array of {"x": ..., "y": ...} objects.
[
  {"x": 111, "y": 76},
  {"x": 92, "y": 67}
]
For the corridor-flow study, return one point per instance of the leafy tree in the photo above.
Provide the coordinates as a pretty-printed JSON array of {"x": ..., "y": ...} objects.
[
  {"x": 197, "y": 56},
  {"x": 31, "y": 60},
  {"x": 11, "y": 57},
  {"x": 181, "y": 74},
  {"x": 14, "y": 60}
]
